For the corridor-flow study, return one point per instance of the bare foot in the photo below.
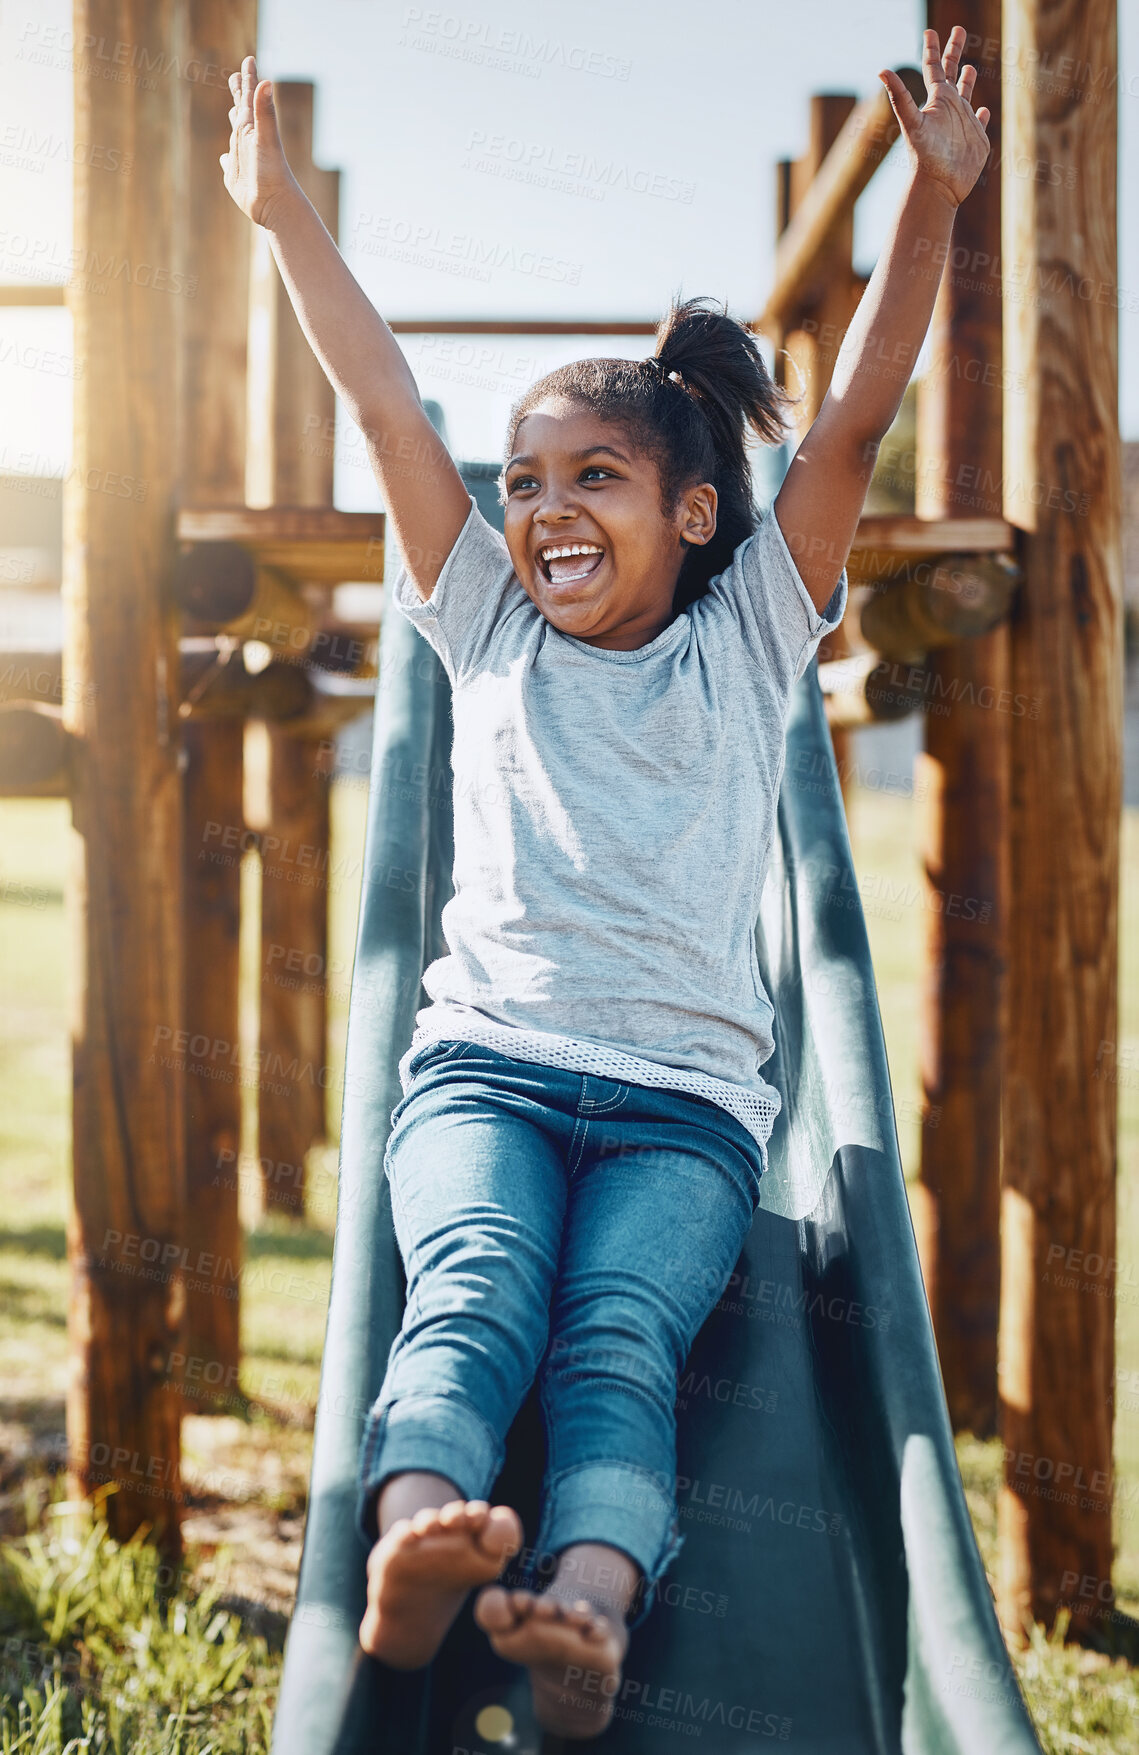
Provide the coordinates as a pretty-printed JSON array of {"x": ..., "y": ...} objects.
[
  {"x": 420, "y": 1571},
  {"x": 573, "y": 1651}
]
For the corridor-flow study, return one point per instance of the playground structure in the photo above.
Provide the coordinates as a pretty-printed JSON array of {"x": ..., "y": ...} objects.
[{"x": 994, "y": 587}]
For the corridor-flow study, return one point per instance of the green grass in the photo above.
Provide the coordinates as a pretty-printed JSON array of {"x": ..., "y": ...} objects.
[
  {"x": 100, "y": 1654},
  {"x": 142, "y": 1667}
]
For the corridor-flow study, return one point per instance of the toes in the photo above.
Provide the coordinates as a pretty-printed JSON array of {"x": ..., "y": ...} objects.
[
  {"x": 453, "y": 1515},
  {"x": 501, "y": 1530},
  {"x": 494, "y": 1610}
]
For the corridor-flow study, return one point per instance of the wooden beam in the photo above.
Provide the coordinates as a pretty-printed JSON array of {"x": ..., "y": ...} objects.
[
  {"x": 1059, "y": 274},
  {"x": 885, "y": 543},
  {"x": 522, "y": 326},
  {"x": 816, "y": 320},
  {"x": 126, "y": 1229},
  {"x": 290, "y": 464},
  {"x": 307, "y": 543},
  {"x": 33, "y": 293},
  {"x": 963, "y": 774},
  {"x": 213, "y": 471},
  {"x": 825, "y": 207},
  {"x": 31, "y": 675}
]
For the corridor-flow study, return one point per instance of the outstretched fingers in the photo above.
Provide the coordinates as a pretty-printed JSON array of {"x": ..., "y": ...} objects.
[
  {"x": 954, "y": 46},
  {"x": 264, "y": 112},
  {"x": 902, "y": 103},
  {"x": 248, "y": 86}
]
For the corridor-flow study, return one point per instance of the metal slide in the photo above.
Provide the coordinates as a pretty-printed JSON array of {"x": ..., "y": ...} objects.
[{"x": 829, "y": 1595}]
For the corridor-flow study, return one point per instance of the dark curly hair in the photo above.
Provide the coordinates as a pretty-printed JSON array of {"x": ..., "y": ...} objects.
[{"x": 688, "y": 406}]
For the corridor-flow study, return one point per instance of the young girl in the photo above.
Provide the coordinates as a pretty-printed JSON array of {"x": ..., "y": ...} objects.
[{"x": 576, "y": 1157}]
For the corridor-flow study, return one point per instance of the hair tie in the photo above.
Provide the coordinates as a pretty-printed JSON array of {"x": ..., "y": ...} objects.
[{"x": 665, "y": 374}]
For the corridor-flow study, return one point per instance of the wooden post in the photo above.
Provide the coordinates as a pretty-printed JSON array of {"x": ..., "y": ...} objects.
[
  {"x": 962, "y": 780},
  {"x": 1059, "y": 266},
  {"x": 213, "y": 473},
  {"x": 814, "y": 335},
  {"x": 126, "y": 1229},
  {"x": 291, "y": 463}
]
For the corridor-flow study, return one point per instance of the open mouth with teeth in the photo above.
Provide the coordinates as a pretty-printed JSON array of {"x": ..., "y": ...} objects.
[{"x": 564, "y": 563}]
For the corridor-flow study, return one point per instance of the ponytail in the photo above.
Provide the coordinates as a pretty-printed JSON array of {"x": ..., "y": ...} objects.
[
  {"x": 717, "y": 361},
  {"x": 691, "y": 405}
]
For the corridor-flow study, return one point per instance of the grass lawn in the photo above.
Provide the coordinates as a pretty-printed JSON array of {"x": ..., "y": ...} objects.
[{"x": 202, "y": 1675}]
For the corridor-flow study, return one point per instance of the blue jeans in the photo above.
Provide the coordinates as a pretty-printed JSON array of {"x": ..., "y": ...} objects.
[{"x": 565, "y": 1228}]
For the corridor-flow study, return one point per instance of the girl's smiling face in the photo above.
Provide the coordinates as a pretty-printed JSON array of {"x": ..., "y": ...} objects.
[{"x": 577, "y": 481}]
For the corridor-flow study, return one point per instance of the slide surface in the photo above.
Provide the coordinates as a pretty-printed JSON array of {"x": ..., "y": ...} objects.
[{"x": 829, "y": 1595}]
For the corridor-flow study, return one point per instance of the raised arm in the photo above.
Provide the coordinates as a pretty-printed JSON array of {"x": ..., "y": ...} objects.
[
  {"x": 820, "y": 502},
  {"x": 423, "y": 493}
]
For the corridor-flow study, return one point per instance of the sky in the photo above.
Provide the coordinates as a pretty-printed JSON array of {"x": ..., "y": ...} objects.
[{"x": 500, "y": 159}]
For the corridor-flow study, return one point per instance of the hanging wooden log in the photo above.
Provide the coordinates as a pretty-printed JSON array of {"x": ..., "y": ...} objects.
[
  {"x": 35, "y": 757},
  {"x": 955, "y": 597},
  {"x": 221, "y": 588},
  {"x": 865, "y": 690}
]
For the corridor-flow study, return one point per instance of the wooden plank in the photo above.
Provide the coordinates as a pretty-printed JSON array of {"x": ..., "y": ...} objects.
[
  {"x": 522, "y": 326},
  {"x": 963, "y": 783},
  {"x": 306, "y": 543},
  {"x": 1063, "y": 489},
  {"x": 126, "y": 1229},
  {"x": 918, "y": 537},
  {"x": 33, "y": 293},
  {"x": 817, "y": 319},
  {"x": 213, "y": 471},
  {"x": 261, "y": 527},
  {"x": 822, "y": 210}
]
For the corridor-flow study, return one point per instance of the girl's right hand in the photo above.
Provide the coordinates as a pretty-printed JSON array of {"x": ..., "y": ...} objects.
[{"x": 257, "y": 172}]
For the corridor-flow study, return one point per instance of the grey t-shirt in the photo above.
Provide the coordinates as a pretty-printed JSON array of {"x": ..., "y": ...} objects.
[{"x": 613, "y": 822}]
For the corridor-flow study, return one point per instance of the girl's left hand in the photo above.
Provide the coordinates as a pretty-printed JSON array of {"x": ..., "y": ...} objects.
[{"x": 947, "y": 138}]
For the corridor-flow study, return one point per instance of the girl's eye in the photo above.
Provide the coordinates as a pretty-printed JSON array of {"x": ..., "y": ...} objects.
[
  {"x": 520, "y": 481},
  {"x": 595, "y": 469}
]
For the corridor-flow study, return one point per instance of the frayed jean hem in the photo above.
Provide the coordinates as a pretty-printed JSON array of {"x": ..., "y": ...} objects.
[
  {"x": 440, "y": 1433},
  {"x": 620, "y": 1504}
]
